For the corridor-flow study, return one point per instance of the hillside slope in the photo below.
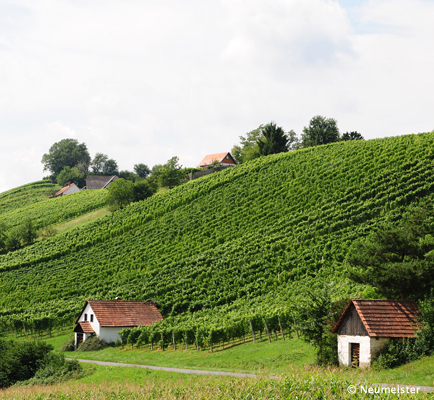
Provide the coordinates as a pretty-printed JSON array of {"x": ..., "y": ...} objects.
[
  {"x": 241, "y": 233},
  {"x": 58, "y": 210},
  {"x": 25, "y": 195}
]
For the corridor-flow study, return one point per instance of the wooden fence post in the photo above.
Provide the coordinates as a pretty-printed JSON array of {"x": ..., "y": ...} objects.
[
  {"x": 173, "y": 340},
  {"x": 295, "y": 326},
  {"x": 253, "y": 332},
  {"x": 268, "y": 331},
  {"x": 281, "y": 328}
]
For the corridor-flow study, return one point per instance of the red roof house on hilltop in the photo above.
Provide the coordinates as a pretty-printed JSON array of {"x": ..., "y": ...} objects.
[
  {"x": 367, "y": 325},
  {"x": 105, "y": 318},
  {"x": 69, "y": 189},
  {"x": 224, "y": 159}
]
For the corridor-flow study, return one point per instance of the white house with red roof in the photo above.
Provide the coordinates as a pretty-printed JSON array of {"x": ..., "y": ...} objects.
[
  {"x": 69, "y": 189},
  {"x": 224, "y": 159},
  {"x": 105, "y": 318},
  {"x": 367, "y": 325}
]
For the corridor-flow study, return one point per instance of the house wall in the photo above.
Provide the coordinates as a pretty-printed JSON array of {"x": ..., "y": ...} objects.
[
  {"x": 352, "y": 325},
  {"x": 376, "y": 345},
  {"x": 344, "y": 349},
  {"x": 198, "y": 174},
  {"x": 95, "y": 324},
  {"x": 110, "y": 334},
  {"x": 368, "y": 349},
  {"x": 73, "y": 189}
]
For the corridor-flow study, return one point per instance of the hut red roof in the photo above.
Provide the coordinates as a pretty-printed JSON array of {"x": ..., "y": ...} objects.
[
  {"x": 124, "y": 313},
  {"x": 64, "y": 189},
  {"x": 84, "y": 326},
  {"x": 385, "y": 318},
  {"x": 219, "y": 157}
]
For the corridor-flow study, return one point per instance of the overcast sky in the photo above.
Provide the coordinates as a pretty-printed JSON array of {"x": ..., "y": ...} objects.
[{"x": 143, "y": 81}]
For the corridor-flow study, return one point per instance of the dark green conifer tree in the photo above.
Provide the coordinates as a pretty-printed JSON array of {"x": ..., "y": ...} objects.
[{"x": 398, "y": 259}]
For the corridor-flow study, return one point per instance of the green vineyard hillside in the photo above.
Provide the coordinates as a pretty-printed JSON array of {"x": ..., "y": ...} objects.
[
  {"x": 234, "y": 236},
  {"x": 26, "y": 195},
  {"x": 58, "y": 210}
]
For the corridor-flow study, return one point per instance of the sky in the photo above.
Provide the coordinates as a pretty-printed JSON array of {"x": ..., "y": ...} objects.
[{"x": 143, "y": 81}]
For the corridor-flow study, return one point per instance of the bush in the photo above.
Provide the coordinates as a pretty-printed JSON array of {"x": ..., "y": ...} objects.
[
  {"x": 94, "y": 343},
  {"x": 53, "y": 369},
  {"x": 69, "y": 345},
  {"x": 401, "y": 351},
  {"x": 20, "y": 360}
]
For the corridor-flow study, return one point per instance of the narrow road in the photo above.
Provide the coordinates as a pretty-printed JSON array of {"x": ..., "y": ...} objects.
[
  {"x": 180, "y": 370},
  {"x": 426, "y": 389}
]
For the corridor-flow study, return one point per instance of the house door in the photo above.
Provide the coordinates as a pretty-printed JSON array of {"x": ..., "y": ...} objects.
[
  {"x": 79, "y": 338},
  {"x": 355, "y": 354}
]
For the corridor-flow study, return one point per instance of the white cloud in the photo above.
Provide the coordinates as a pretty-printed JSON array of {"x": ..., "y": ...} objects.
[{"x": 144, "y": 81}]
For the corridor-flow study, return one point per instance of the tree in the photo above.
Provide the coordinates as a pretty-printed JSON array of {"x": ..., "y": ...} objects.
[
  {"x": 397, "y": 259},
  {"x": 293, "y": 141},
  {"x": 28, "y": 231},
  {"x": 128, "y": 175},
  {"x": 3, "y": 236},
  {"x": 143, "y": 189},
  {"x": 142, "y": 170},
  {"x": 71, "y": 175},
  {"x": 315, "y": 311},
  {"x": 98, "y": 163},
  {"x": 354, "y": 135},
  {"x": 102, "y": 165},
  {"x": 120, "y": 194},
  {"x": 13, "y": 241},
  {"x": 170, "y": 174},
  {"x": 66, "y": 153},
  {"x": 248, "y": 148},
  {"x": 110, "y": 167},
  {"x": 273, "y": 140},
  {"x": 321, "y": 130}
]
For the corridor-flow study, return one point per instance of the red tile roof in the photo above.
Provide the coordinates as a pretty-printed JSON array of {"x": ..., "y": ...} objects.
[
  {"x": 385, "y": 318},
  {"x": 124, "y": 313},
  {"x": 220, "y": 157},
  {"x": 86, "y": 327},
  {"x": 64, "y": 189}
]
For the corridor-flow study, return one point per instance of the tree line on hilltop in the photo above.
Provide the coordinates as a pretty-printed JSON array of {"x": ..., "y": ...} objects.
[{"x": 272, "y": 139}]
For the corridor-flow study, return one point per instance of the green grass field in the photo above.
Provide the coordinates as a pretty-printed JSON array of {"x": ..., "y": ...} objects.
[{"x": 280, "y": 357}]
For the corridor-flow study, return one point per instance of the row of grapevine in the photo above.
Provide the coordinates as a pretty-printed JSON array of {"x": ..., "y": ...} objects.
[
  {"x": 206, "y": 330},
  {"x": 239, "y": 234},
  {"x": 57, "y": 210},
  {"x": 26, "y": 195}
]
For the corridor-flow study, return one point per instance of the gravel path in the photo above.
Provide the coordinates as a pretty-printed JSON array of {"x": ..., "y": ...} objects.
[
  {"x": 180, "y": 370},
  {"x": 426, "y": 389}
]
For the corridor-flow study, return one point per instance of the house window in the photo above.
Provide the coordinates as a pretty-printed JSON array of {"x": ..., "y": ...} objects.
[
  {"x": 91, "y": 317},
  {"x": 227, "y": 157},
  {"x": 85, "y": 317}
]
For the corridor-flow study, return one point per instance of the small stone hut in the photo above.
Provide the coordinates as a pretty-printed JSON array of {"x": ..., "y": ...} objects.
[{"x": 367, "y": 325}]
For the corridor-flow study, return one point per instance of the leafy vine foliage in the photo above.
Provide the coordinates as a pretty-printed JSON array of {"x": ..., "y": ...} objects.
[{"x": 228, "y": 238}]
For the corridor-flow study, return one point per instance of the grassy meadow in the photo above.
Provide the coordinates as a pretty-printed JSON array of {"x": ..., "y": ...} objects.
[{"x": 278, "y": 358}]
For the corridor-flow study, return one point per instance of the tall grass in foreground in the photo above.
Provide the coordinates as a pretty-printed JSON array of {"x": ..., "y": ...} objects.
[{"x": 290, "y": 387}]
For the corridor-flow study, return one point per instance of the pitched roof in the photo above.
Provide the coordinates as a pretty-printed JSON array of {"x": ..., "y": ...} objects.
[
  {"x": 99, "y": 181},
  {"x": 208, "y": 160},
  {"x": 124, "y": 313},
  {"x": 64, "y": 189},
  {"x": 385, "y": 318},
  {"x": 85, "y": 326}
]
